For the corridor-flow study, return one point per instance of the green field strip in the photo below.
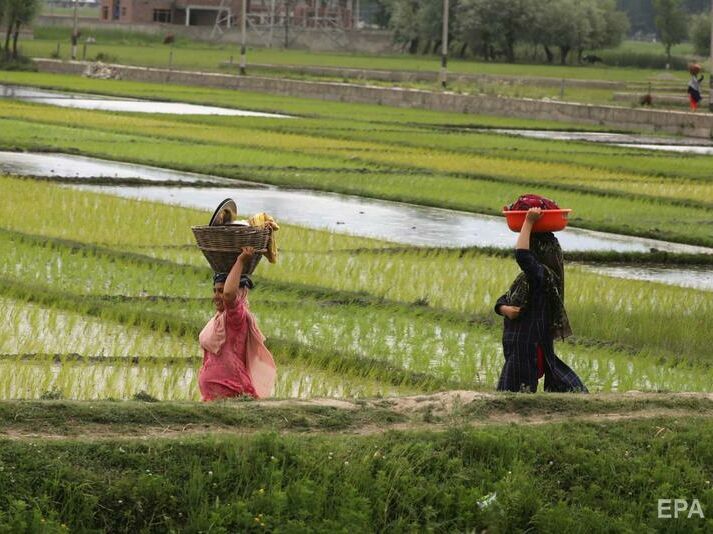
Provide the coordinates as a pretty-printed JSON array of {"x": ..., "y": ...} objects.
[
  {"x": 144, "y": 274},
  {"x": 494, "y": 166},
  {"x": 594, "y": 360},
  {"x": 606, "y": 475},
  {"x": 169, "y": 322}
]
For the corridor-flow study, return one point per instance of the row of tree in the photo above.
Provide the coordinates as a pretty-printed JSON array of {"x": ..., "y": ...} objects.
[
  {"x": 494, "y": 28},
  {"x": 642, "y": 14},
  {"x": 14, "y": 14}
]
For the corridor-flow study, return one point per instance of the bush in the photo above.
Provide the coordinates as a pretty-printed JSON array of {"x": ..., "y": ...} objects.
[
  {"x": 20, "y": 64},
  {"x": 701, "y": 34},
  {"x": 106, "y": 58},
  {"x": 52, "y": 394},
  {"x": 643, "y": 60}
]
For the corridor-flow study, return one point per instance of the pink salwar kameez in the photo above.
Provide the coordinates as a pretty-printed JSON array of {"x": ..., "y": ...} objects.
[{"x": 235, "y": 358}]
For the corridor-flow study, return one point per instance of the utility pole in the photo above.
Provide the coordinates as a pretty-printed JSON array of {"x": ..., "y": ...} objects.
[
  {"x": 287, "y": 24},
  {"x": 272, "y": 22},
  {"x": 444, "y": 49},
  {"x": 710, "y": 71},
  {"x": 243, "y": 27},
  {"x": 75, "y": 32}
]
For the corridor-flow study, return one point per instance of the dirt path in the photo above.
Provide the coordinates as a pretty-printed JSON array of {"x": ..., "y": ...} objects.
[{"x": 132, "y": 420}]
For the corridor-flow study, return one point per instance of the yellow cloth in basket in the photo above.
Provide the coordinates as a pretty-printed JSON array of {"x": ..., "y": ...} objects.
[{"x": 260, "y": 220}]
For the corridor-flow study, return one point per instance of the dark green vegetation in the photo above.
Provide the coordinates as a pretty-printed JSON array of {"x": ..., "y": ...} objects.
[
  {"x": 14, "y": 15},
  {"x": 561, "y": 26},
  {"x": 567, "y": 477}
]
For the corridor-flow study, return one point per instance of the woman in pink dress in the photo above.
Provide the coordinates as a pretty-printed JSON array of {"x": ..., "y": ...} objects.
[{"x": 235, "y": 359}]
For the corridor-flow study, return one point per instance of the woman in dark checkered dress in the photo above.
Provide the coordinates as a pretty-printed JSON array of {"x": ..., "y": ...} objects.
[{"x": 534, "y": 315}]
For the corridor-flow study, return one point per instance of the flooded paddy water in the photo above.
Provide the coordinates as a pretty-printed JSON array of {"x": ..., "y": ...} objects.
[
  {"x": 53, "y": 165},
  {"x": 417, "y": 225},
  {"x": 645, "y": 142},
  {"x": 128, "y": 105}
]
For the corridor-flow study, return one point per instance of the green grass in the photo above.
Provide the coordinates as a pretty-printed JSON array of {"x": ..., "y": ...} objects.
[
  {"x": 59, "y": 11},
  {"x": 648, "y": 47},
  {"x": 608, "y": 476},
  {"x": 149, "y": 51},
  {"x": 136, "y": 417}
]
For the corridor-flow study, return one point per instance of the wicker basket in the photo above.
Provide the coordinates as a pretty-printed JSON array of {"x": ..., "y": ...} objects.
[{"x": 221, "y": 245}]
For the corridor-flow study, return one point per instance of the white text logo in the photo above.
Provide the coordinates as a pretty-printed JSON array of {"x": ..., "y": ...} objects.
[{"x": 675, "y": 508}]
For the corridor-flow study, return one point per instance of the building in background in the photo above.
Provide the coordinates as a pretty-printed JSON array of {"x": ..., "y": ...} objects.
[{"x": 330, "y": 14}]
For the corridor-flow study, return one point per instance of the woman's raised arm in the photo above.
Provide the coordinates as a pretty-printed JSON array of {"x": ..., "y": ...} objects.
[
  {"x": 525, "y": 259},
  {"x": 232, "y": 283}
]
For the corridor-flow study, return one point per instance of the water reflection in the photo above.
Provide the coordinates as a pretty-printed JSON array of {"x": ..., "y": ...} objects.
[
  {"x": 102, "y": 103},
  {"x": 647, "y": 142},
  {"x": 698, "y": 278},
  {"x": 69, "y": 166},
  {"x": 392, "y": 221}
]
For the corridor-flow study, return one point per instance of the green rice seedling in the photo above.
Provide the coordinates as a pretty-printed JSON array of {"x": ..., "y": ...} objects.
[
  {"x": 605, "y": 209},
  {"x": 530, "y": 167},
  {"x": 399, "y": 277},
  {"x": 81, "y": 380},
  {"x": 591, "y": 299},
  {"x": 609, "y": 162},
  {"x": 34, "y": 329},
  {"x": 298, "y": 304}
]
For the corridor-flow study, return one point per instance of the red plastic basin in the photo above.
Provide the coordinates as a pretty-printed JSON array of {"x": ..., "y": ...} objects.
[{"x": 551, "y": 220}]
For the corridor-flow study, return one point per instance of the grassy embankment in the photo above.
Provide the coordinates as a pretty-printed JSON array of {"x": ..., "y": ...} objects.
[
  {"x": 402, "y": 155},
  {"x": 573, "y": 476},
  {"x": 148, "y": 50}
]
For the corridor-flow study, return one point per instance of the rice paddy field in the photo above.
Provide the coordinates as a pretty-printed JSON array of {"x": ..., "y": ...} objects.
[{"x": 385, "y": 417}]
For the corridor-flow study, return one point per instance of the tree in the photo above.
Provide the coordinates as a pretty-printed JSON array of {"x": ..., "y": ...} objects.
[
  {"x": 617, "y": 24},
  {"x": 701, "y": 34},
  {"x": 607, "y": 26},
  {"x": 472, "y": 28},
  {"x": 561, "y": 24},
  {"x": 404, "y": 22},
  {"x": 671, "y": 23},
  {"x": 494, "y": 26},
  {"x": 25, "y": 15},
  {"x": 377, "y": 12},
  {"x": 2, "y": 13},
  {"x": 420, "y": 21},
  {"x": 16, "y": 14}
]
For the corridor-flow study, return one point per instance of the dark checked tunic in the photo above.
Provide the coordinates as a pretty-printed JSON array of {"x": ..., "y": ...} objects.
[{"x": 522, "y": 336}]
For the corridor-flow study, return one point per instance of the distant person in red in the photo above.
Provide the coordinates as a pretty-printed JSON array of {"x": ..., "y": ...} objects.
[
  {"x": 533, "y": 310},
  {"x": 694, "y": 86},
  {"x": 235, "y": 359}
]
